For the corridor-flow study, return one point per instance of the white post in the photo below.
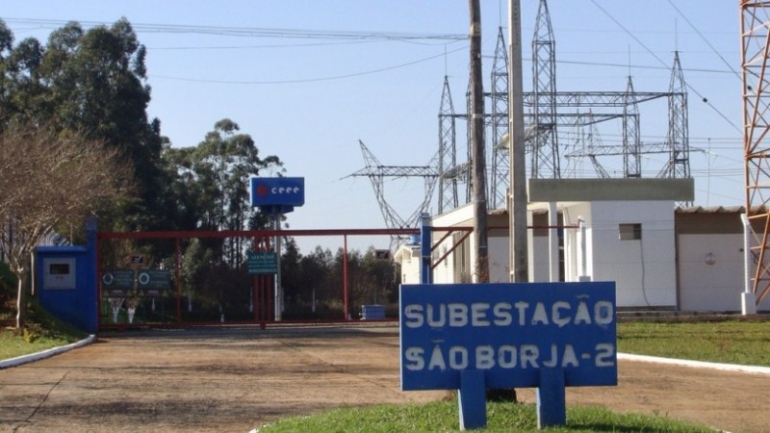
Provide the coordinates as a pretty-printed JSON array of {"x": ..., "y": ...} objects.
[
  {"x": 570, "y": 273},
  {"x": 553, "y": 243},
  {"x": 748, "y": 297},
  {"x": 583, "y": 255},
  {"x": 313, "y": 305}
]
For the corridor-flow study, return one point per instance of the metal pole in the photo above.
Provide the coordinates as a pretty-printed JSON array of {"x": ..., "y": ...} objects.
[
  {"x": 517, "y": 209},
  {"x": 426, "y": 245},
  {"x": 345, "y": 277},
  {"x": 277, "y": 298},
  {"x": 178, "y": 277},
  {"x": 748, "y": 297}
]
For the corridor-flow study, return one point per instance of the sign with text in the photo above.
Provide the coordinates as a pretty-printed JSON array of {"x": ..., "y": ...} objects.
[
  {"x": 262, "y": 262},
  {"x": 154, "y": 280},
  {"x": 509, "y": 332},
  {"x": 118, "y": 279},
  {"x": 277, "y": 191}
]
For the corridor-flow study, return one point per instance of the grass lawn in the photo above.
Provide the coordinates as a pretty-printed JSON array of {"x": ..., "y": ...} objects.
[
  {"x": 43, "y": 332},
  {"x": 739, "y": 341},
  {"x": 501, "y": 417},
  {"x": 13, "y": 345}
]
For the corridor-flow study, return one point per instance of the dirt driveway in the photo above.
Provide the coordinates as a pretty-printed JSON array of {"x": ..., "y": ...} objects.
[{"x": 235, "y": 379}]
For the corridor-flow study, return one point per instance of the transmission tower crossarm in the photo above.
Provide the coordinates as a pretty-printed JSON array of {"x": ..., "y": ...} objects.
[{"x": 596, "y": 98}]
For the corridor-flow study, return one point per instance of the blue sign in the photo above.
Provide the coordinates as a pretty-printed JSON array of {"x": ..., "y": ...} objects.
[
  {"x": 472, "y": 337},
  {"x": 510, "y": 331},
  {"x": 277, "y": 191}
]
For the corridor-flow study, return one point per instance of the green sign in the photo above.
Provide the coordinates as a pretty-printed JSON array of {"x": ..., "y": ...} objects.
[
  {"x": 262, "y": 263},
  {"x": 118, "y": 279},
  {"x": 153, "y": 280}
]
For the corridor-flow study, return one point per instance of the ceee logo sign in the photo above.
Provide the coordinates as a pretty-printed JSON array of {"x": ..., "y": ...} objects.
[{"x": 277, "y": 191}]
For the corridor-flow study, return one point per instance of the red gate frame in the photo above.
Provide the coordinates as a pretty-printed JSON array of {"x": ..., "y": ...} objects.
[{"x": 262, "y": 296}]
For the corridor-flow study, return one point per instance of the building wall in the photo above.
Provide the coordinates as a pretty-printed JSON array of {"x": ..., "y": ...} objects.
[
  {"x": 644, "y": 269},
  {"x": 499, "y": 258},
  {"x": 665, "y": 268},
  {"x": 539, "y": 269},
  {"x": 717, "y": 286},
  {"x": 454, "y": 267},
  {"x": 410, "y": 264},
  {"x": 572, "y": 253}
]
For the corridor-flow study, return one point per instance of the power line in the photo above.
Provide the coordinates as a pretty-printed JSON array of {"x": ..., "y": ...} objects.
[
  {"x": 652, "y": 53},
  {"x": 254, "y": 32},
  {"x": 308, "y": 80},
  {"x": 729, "y": 66}
]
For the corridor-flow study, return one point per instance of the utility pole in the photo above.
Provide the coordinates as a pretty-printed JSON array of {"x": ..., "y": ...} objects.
[
  {"x": 478, "y": 157},
  {"x": 517, "y": 209}
]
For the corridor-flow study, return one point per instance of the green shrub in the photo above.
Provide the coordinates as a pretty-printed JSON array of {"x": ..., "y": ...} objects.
[{"x": 7, "y": 292}]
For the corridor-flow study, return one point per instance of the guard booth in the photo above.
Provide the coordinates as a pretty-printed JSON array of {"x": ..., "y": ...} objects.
[{"x": 65, "y": 280}]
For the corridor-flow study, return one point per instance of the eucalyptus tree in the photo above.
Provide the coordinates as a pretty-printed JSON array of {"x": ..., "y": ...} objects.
[
  {"x": 215, "y": 174},
  {"x": 92, "y": 82}
]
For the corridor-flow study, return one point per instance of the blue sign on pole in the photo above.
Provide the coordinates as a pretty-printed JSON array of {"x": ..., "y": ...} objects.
[
  {"x": 545, "y": 335},
  {"x": 277, "y": 191}
]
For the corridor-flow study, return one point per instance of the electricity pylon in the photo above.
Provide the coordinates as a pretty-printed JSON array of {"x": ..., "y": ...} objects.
[{"x": 377, "y": 172}]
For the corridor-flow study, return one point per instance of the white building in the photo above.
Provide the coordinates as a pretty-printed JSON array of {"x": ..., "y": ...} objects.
[{"x": 660, "y": 256}]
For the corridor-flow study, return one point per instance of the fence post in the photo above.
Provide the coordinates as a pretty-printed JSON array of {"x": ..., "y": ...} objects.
[
  {"x": 426, "y": 271},
  {"x": 345, "y": 277}
]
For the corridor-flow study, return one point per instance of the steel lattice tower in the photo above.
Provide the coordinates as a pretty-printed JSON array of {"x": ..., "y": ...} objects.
[
  {"x": 377, "y": 172},
  {"x": 549, "y": 110},
  {"x": 755, "y": 61},
  {"x": 447, "y": 150},
  {"x": 545, "y": 148},
  {"x": 592, "y": 141},
  {"x": 632, "y": 146},
  {"x": 678, "y": 131},
  {"x": 499, "y": 124}
]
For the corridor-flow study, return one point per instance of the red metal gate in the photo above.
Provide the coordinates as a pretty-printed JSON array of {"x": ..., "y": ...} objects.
[{"x": 169, "y": 279}]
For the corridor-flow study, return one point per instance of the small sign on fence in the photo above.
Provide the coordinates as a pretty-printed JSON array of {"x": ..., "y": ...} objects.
[
  {"x": 117, "y": 281},
  {"x": 262, "y": 262},
  {"x": 472, "y": 337},
  {"x": 154, "y": 280}
]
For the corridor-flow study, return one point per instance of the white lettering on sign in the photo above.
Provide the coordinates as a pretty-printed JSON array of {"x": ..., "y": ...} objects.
[
  {"x": 501, "y": 314},
  {"x": 513, "y": 333},
  {"x": 507, "y": 356},
  {"x": 284, "y": 190}
]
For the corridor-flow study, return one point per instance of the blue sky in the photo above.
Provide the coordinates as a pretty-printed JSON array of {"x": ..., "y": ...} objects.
[{"x": 309, "y": 100}]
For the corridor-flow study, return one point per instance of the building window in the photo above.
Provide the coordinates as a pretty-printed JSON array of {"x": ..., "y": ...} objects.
[{"x": 630, "y": 232}]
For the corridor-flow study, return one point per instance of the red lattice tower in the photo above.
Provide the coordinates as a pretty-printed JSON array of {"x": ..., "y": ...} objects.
[{"x": 755, "y": 32}]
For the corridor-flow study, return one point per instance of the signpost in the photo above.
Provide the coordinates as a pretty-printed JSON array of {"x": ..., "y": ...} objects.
[
  {"x": 471, "y": 337},
  {"x": 275, "y": 196}
]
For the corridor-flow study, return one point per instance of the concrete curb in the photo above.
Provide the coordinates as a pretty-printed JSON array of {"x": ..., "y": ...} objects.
[
  {"x": 19, "y": 360},
  {"x": 696, "y": 364}
]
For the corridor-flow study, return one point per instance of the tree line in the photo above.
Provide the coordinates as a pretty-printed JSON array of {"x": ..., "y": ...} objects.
[{"x": 87, "y": 91}]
